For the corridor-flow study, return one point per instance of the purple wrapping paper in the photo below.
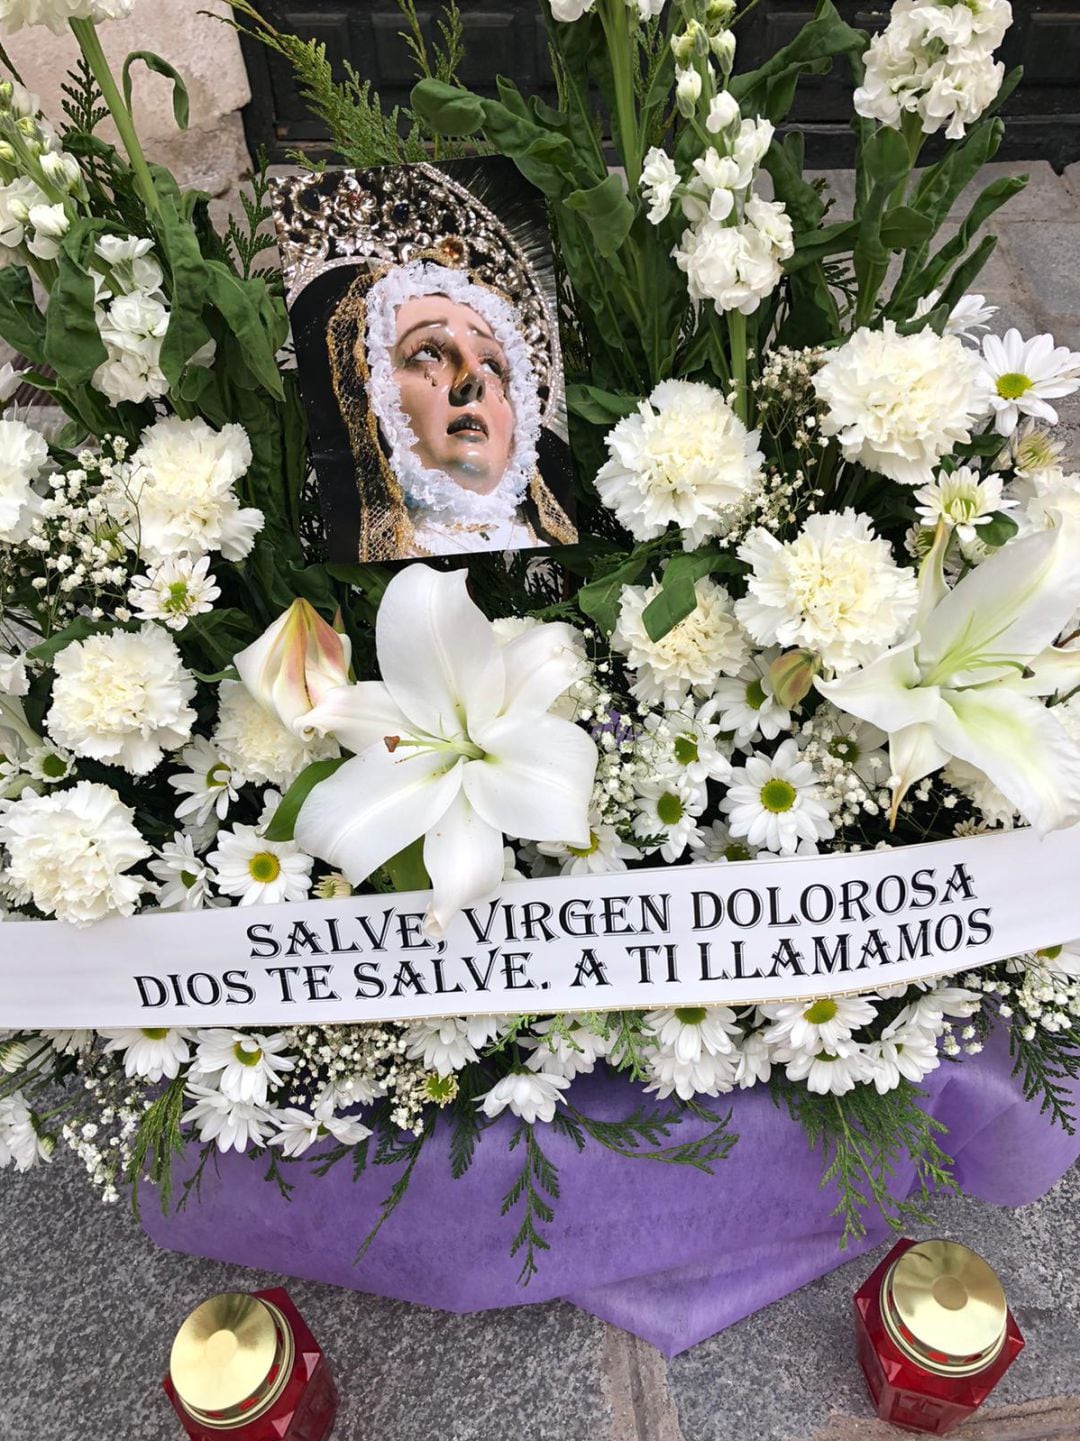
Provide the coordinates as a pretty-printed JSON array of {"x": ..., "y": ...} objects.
[{"x": 667, "y": 1252}]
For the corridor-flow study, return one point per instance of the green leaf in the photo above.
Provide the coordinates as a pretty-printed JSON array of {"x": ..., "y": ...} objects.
[
  {"x": 79, "y": 629},
  {"x": 73, "y": 346},
  {"x": 677, "y": 597},
  {"x": 607, "y": 212},
  {"x": 600, "y": 598},
  {"x": 448, "y": 109},
  {"x": 770, "y": 89},
  {"x": 187, "y": 332},
  {"x": 181, "y": 106},
  {"x": 1000, "y": 528},
  {"x": 903, "y": 228},
  {"x": 21, "y": 322},
  {"x": 600, "y": 407},
  {"x": 283, "y": 825},
  {"x": 242, "y": 305},
  {"x": 406, "y": 870}
]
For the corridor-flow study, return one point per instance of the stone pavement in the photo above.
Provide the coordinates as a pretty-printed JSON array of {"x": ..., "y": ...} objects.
[{"x": 88, "y": 1305}]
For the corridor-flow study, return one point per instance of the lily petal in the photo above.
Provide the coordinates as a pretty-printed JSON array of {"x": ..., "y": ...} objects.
[
  {"x": 437, "y": 652},
  {"x": 374, "y": 806},
  {"x": 536, "y": 779},
  {"x": 464, "y": 858},
  {"x": 1055, "y": 672},
  {"x": 887, "y": 692},
  {"x": 1008, "y": 609},
  {"x": 913, "y": 753},
  {"x": 1021, "y": 747},
  {"x": 358, "y": 716},
  {"x": 541, "y": 663},
  {"x": 933, "y": 587}
]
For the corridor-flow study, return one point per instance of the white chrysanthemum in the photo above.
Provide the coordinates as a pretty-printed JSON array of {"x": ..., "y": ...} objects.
[
  {"x": 964, "y": 500},
  {"x": 57, "y": 14},
  {"x": 122, "y": 698},
  {"x": 243, "y": 1067},
  {"x": 299, "y": 1130},
  {"x": 564, "y": 1047},
  {"x": 532, "y": 1095},
  {"x": 23, "y": 456},
  {"x": 683, "y": 458},
  {"x": 208, "y": 783},
  {"x": 822, "y": 1025},
  {"x": 708, "y": 643},
  {"x": 834, "y": 590},
  {"x": 1020, "y": 377},
  {"x": 690, "y": 1032},
  {"x": 174, "y": 591},
  {"x": 746, "y": 706},
  {"x": 183, "y": 878},
  {"x": 233, "y": 1125},
  {"x": 446, "y": 1044},
  {"x": 898, "y": 403},
  {"x": 775, "y": 802},
  {"x": 68, "y": 853},
  {"x": 256, "y": 746},
  {"x": 659, "y": 181},
  {"x": 184, "y": 488},
  {"x": 260, "y": 872},
  {"x": 152, "y": 1054}
]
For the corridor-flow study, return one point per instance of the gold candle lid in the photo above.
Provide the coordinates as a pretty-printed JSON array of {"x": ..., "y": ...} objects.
[
  {"x": 230, "y": 1352},
  {"x": 944, "y": 1306}
]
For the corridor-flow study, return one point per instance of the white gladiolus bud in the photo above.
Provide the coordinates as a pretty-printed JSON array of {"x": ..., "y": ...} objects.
[{"x": 687, "y": 91}]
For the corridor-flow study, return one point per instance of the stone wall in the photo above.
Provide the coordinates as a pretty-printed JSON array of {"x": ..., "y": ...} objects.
[{"x": 212, "y": 154}]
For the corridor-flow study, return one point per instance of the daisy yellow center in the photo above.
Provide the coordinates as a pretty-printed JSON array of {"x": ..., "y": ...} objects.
[
  {"x": 217, "y": 776},
  {"x": 54, "y": 767},
  {"x": 755, "y": 694},
  {"x": 440, "y": 1089},
  {"x": 264, "y": 867},
  {"x": 1013, "y": 385},
  {"x": 177, "y": 597},
  {"x": 778, "y": 796},
  {"x": 736, "y": 851},
  {"x": 1050, "y": 953},
  {"x": 247, "y": 1053},
  {"x": 187, "y": 879},
  {"x": 691, "y": 1015},
  {"x": 157, "y": 1033},
  {"x": 589, "y": 850},
  {"x": 670, "y": 809},
  {"x": 686, "y": 750},
  {"x": 820, "y": 1012}
]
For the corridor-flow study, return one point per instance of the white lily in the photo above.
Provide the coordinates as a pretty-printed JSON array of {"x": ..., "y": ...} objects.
[
  {"x": 456, "y": 744},
  {"x": 967, "y": 682},
  {"x": 295, "y": 664}
]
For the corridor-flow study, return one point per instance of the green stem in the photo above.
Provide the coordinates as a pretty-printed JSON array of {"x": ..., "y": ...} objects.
[
  {"x": 737, "y": 332},
  {"x": 85, "y": 32},
  {"x": 614, "y": 18}
]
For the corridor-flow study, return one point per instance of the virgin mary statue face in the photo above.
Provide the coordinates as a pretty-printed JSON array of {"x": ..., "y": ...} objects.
[{"x": 454, "y": 384}]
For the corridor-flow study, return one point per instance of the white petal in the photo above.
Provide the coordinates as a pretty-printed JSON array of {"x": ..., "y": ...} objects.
[
  {"x": 1021, "y": 747},
  {"x": 541, "y": 663},
  {"x": 537, "y": 779},
  {"x": 1010, "y": 608},
  {"x": 358, "y": 716},
  {"x": 437, "y": 652},
  {"x": 913, "y": 753},
  {"x": 464, "y": 858},
  {"x": 374, "y": 806},
  {"x": 887, "y": 692},
  {"x": 1055, "y": 672}
]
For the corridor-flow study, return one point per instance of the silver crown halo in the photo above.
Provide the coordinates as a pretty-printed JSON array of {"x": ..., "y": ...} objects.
[{"x": 389, "y": 216}]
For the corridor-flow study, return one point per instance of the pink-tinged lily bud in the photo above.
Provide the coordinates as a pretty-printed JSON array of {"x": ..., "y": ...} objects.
[
  {"x": 791, "y": 676},
  {"x": 295, "y": 664}
]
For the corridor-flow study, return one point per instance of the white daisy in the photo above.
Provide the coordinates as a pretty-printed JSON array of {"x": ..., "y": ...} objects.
[
  {"x": 746, "y": 705},
  {"x": 532, "y": 1095},
  {"x": 710, "y": 1075},
  {"x": 568, "y": 1049},
  {"x": 606, "y": 853},
  {"x": 776, "y": 802},
  {"x": 956, "y": 1002},
  {"x": 755, "y": 1061},
  {"x": 690, "y": 1032},
  {"x": 174, "y": 591},
  {"x": 667, "y": 816},
  {"x": 904, "y": 1052},
  {"x": 259, "y": 871},
  {"x": 1020, "y": 377},
  {"x": 232, "y": 1124},
  {"x": 299, "y": 1130},
  {"x": 49, "y": 764},
  {"x": 21, "y": 1142},
  {"x": 685, "y": 744},
  {"x": 208, "y": 783},
  {"x": 332, "y": 887},
  {"x": 970, "y": 315},
  {"x": 184, "y": 878},
  {"x": 964, "y": 500},
  {"x": 69, "y": 1042},
  {"x": 822, "y": 1025},
  {"x": 708, "y": 643},
  {"x": 151, "y": 1053},
  {"x": 826, "y": 1074},
  {"x": 447, "y": 1044},
  {"x": 720, "y": 846},
  {"x": 244, "y": 1067}
]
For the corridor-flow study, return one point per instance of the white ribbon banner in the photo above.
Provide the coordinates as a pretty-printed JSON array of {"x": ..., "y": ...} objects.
[{"x": 676, "y": 936}]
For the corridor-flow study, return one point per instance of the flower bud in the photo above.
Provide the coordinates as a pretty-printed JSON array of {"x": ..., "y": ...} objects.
[
  {"x": 682, "y": 47},
  {"x": 723, "y": 47},
  {"x": 687, "y": 92},
  {"x": 791, "y": 676},
  {"x": 295, "y": 664},
  {"x": 720, "y": 12},
  {"x": 7, "y": 153},
  {"x": 698, "y": 37},
  {"x": 61, "y": 170},
  {"x": 723, "y": 113}
]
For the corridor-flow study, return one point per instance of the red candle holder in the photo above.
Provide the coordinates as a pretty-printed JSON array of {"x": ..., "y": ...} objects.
[
  {"x": 247, "y": 1367},
  {"x": 934, "y": 1335}
]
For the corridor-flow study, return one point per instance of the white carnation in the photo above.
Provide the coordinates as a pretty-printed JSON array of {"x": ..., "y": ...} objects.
[
  {"x": 898, "y": 403},
  {"x": 23, "y": 456},
  {"x": 184, "y": 488},
  {"x": 56, "y": 14},
  {"x": 708, "y": 643},
  {"x": 256, "y": 746},
  {"x": 122, "y": 698},
  {"x": 835, "y": 590},
  {"x": 68, "y": 853},
  {"x": 684, "y": 458}
]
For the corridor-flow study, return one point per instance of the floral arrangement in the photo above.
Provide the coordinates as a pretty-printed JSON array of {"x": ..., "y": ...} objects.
[{"x": 828, "y": 597}]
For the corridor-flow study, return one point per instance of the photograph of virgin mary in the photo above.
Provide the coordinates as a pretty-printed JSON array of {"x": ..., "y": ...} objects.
[{"x": 423, "y": 308}]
